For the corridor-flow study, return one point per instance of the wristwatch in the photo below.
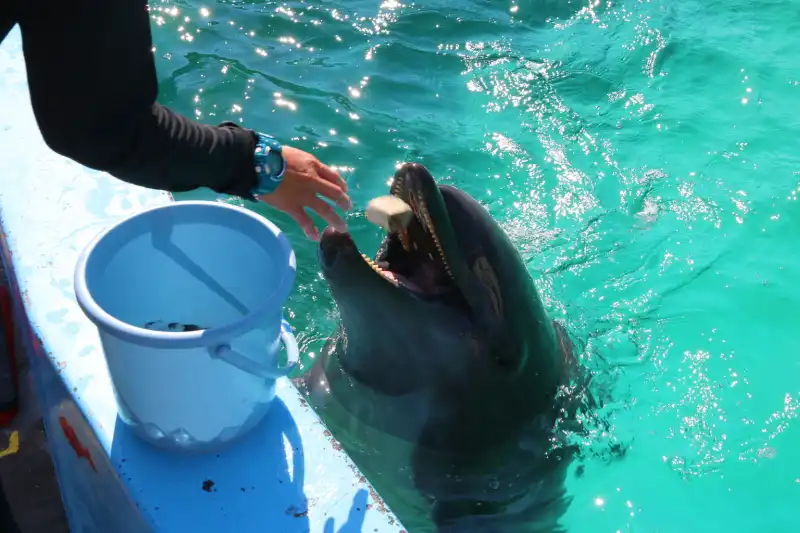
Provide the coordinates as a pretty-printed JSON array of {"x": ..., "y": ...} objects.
[{"x": 269, "y": 164}]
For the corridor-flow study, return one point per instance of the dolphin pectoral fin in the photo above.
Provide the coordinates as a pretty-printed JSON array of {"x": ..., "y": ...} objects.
[{"x": 318, "y": 382}]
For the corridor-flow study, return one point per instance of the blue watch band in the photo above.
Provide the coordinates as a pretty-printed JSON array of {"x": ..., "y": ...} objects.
[{"x": 269, "y": 164}]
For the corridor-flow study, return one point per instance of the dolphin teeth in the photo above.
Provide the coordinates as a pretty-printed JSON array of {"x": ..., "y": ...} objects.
[
  {"x": 397, "y": 187},
  {"x": 368, "y": 260},
  {"x": 426, "y": 220},
  {"x": 405, "y": 240},
  {"x": 421, "y": 213},
  {"x": 389, "y": 276}
]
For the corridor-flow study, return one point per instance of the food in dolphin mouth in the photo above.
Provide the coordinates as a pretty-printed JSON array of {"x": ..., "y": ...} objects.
[
  {"x": 389, "y": 212},
  {"x": 417, "y": 271},
  {"x": 392, "y": 214}
]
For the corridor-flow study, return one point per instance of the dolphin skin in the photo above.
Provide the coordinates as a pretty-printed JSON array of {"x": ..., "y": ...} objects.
[{"x": 442, "y": 379}]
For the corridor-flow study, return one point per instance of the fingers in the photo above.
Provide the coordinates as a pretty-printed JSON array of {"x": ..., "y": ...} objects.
[
  {"x": 305, "y": 222},
  {"x": 324, "y": 210},
  {"x": 331, "y": 175},
  {"x": 328, "y": 213},
  {"x": 333, "y": 192},
  {"x": 308, "y": 183}
]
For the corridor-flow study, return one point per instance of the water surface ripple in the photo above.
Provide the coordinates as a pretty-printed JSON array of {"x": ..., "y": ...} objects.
[{"x": 644, "y": 157}]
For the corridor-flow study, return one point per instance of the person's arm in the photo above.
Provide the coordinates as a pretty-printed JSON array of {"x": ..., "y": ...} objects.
[{"x": 93, "y": 87}]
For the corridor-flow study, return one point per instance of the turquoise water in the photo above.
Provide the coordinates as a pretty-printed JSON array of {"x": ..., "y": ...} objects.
[{"x": 644, "y": 157}]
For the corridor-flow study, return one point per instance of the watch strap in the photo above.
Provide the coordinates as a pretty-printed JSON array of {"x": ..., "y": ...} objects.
[{"x": 269, "y": 164}]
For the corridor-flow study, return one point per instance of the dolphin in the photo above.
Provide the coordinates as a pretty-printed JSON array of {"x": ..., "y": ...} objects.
[{"x": 443, "y": 377}]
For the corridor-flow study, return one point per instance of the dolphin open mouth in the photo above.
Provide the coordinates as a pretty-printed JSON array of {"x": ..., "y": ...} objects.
[{"x": 413, "y": 259}]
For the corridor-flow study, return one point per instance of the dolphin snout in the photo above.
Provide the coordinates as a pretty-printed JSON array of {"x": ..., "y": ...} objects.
[{"x": 332, "y": 243}]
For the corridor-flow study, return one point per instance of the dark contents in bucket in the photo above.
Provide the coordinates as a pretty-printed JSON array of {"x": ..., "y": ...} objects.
[{"x": 161, "y": 325}]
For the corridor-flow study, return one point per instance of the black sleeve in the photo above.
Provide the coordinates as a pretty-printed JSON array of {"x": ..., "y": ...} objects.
[{"x": 93, "y": 87}]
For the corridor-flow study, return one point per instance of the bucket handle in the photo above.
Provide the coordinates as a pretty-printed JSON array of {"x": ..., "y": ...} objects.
[{"x": 246, "y": 364}]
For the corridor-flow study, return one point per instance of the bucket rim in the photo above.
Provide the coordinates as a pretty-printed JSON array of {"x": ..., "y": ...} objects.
[{"x": 110, "y": 324}]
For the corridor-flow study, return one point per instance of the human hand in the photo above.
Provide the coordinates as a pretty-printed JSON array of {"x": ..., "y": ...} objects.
[{"x": 304, "y": 182}]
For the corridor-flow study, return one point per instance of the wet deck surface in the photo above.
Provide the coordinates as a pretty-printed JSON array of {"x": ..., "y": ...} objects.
[{"x": 28, "y": 477}]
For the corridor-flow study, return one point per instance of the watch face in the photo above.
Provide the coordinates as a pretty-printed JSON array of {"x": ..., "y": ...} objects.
[{"x": 274, "y": 163}]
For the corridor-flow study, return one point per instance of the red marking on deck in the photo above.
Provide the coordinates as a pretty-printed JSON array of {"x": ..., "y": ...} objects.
[{"x": 80, "y": 450}]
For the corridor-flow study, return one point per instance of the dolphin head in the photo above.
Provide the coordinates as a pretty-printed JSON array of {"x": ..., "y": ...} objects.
[{"x": 449, "y": 301}]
